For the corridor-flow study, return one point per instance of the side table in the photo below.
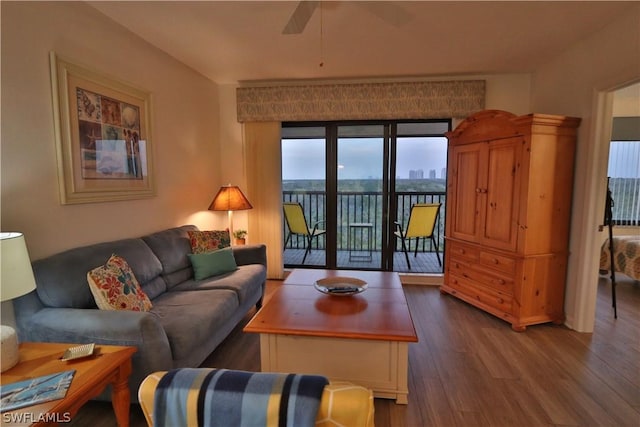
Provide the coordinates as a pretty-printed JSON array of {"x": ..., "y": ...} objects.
[
  {"x": 358, "y": 252},
  {"x": 110, "y": 365}
]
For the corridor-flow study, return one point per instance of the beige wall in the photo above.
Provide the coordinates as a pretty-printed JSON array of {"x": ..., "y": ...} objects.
[
  {"x": 185, "y": 129},
  {"x": 579, "y": 83},
  {"x": 626, "y": 101},
  {"x": 231, "y": 153}
]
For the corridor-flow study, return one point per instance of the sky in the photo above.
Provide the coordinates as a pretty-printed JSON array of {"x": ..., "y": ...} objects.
[{"x": 360, "y": 158}]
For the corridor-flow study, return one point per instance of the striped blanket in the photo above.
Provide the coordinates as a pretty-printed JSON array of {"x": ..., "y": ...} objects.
[{"x": 221, "y": 397}]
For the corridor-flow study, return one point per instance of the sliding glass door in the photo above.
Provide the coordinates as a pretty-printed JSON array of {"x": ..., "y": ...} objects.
[
  {"x": 361, "y": 207},
  {"x": 304, "y": 182},
  {"x": 354, "y": 181}
]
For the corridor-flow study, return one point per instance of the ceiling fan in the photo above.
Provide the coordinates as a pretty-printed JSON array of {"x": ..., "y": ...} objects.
[{"x": 388, "y": 11}]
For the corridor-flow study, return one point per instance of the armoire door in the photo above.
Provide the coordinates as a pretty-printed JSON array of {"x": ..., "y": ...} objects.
[
  {"x": 465, "y": 187},
  {"x": 500, "y": 193}
]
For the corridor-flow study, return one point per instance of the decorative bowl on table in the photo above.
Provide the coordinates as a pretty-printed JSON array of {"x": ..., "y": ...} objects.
[{"x": 341, "y": 286}]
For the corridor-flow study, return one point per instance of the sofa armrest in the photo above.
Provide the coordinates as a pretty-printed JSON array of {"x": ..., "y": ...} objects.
[
  {"x": 122, "y": 327},
  {"x": 250, "y": 254}
]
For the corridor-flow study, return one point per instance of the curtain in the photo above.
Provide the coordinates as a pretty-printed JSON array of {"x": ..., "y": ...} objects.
[{"x": 264, "y": 189}]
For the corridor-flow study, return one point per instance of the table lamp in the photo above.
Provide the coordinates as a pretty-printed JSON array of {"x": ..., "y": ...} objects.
[
  {"x": 16, "y": 279},
  {"x": 230, "y": 198}
]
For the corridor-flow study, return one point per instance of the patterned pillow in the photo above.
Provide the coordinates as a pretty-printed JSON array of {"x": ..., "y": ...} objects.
[
  {"x": 114, "y": 287},
  {"x": 207, "y": 241}
]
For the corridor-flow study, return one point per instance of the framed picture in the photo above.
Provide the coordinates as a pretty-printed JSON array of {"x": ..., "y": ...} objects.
[{"x": 103, "y": 136}]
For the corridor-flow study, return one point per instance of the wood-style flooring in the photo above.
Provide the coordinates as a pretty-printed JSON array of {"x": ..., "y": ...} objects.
[{"x": 471, "y": 369}]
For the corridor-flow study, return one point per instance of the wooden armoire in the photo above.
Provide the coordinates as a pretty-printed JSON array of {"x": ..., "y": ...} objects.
[{"x": 509, "y": 188}]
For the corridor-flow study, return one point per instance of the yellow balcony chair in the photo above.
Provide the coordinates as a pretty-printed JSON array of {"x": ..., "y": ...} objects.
[
  {"x": 297, "y": 223},
  {"x": 422, "y": 223}
]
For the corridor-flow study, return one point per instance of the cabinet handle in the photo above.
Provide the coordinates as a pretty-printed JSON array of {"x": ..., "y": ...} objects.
[
  {"x": 500, "y": 301},
  {"x": 495, "y": 261},
  {"x": 501, "y": 281}
]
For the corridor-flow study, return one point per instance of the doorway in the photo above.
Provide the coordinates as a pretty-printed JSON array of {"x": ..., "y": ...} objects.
[{"x": 581, "y": 302}]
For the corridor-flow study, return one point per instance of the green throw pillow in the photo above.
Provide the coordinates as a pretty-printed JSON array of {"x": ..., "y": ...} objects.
[{"x": 212, "y": 263}]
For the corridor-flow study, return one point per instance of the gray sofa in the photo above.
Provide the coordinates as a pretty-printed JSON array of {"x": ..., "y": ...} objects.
[{"x": 188, "y": 320}]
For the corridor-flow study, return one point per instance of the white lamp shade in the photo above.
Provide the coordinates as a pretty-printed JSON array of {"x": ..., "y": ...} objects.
[{"x": 16, "y": 277}]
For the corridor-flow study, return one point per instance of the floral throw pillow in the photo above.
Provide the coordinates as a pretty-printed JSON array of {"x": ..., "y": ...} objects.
[
  {"x": 114, "y": 287},
  {"x": 207, "y": 241}
]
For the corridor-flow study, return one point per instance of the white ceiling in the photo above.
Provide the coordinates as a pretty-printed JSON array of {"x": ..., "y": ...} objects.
[{"x": 236, "y": 41}]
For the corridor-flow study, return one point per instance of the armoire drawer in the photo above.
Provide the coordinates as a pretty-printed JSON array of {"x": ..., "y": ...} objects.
[
  {"x": 481, "y": 294},
  {"x": 477, "y": 273},
  {"x": 469, "y": 253},
  {"x": 498, "y": 262}
]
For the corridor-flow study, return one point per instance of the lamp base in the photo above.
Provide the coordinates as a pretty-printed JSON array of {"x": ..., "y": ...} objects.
[{"x": 9, "y": 354}]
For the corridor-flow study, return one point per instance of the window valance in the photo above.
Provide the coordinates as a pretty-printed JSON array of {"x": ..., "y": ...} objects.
[{"x": 362, "y": 101}]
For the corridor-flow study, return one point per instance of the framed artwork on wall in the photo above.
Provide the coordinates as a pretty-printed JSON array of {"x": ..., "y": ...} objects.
[{"x": 103, "y": 136}]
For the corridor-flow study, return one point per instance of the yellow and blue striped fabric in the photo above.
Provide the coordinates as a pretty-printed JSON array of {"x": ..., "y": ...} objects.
[{"x": 222, "y": 397}]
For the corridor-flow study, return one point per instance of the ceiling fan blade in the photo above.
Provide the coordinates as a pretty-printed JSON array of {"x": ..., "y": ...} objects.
[
  {"x": 388, "y": 11},
  {"x": 300, "y": 17}
]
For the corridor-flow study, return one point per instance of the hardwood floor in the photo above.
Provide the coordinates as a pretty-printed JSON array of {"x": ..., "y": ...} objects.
[{"x": 471, "y": 369}]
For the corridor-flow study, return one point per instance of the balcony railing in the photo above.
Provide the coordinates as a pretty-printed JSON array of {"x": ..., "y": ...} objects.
[{"x": 362, "y": 207}]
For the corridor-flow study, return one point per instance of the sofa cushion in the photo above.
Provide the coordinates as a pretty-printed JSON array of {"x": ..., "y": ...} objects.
[
  {"x": 189, "y": 318},
  {"x": 245, "y": 282},
  {"x": 62, "y": 278},
  {"x": 212, "y": 263},
  {"x": 115, "y": 287},
  {"x": 171, "y": 247},
  {"x": 207, "y": 241}
]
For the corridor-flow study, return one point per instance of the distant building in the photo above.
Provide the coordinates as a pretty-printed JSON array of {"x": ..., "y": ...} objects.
[
  {"x": 416, "y": 174},
  {"x": 443, "y": 173},
  {"x": 432, "y": 174}
]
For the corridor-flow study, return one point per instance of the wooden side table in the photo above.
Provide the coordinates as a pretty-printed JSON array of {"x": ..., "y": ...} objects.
[
  {"x": 358, "y": 252},
  {"x": 110, "y": 365}
]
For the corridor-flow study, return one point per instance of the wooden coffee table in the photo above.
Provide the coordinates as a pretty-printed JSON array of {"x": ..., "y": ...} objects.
[
  {"x": 109, "y": 365},
  {"x": 362, "y": 338}
]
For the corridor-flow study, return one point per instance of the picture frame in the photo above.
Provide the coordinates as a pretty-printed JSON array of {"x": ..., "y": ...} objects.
[{"x": 103, "y": 136}]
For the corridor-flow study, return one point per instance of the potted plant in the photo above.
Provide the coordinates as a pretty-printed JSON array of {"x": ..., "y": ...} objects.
[{"x": 240, "y": 237}]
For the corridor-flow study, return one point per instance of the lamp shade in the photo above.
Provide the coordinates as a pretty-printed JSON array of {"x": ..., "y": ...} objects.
[
  {"x": 230, "y": 198},
  {"x": 16, "y": 274}
]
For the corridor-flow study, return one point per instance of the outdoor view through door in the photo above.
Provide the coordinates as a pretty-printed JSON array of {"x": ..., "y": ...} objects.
[{"x": 355, "y": 181}]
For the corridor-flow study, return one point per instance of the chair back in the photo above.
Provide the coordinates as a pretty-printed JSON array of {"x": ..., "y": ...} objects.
[
  {"x": 294, "y": 216},
  {"x": 423, "y": 219}
]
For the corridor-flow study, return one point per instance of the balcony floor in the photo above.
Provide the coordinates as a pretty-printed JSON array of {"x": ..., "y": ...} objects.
[{"x": 425, "y": 262}]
